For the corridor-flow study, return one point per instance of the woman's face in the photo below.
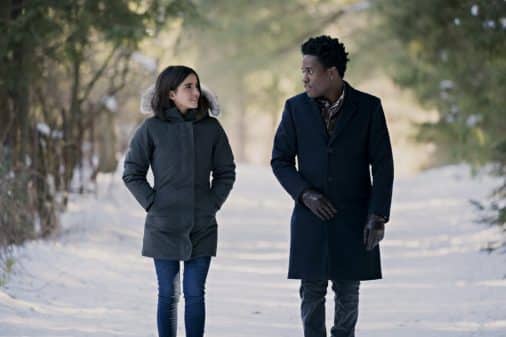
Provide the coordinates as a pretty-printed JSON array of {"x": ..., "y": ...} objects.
[{"x": 186, "y": 96}]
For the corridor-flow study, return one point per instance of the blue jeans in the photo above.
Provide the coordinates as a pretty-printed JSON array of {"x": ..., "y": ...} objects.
[
  {"x": 169, "y": 290},
  {"x": 312, "y": 294}
]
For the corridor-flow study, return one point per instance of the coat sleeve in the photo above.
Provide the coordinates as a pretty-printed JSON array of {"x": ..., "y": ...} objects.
[
  {"x": 382, "y": 165},
  {"x": 283, "y": 156},
  {"x": 136, "y": 166},
  {"x": 223, "y": 168}
]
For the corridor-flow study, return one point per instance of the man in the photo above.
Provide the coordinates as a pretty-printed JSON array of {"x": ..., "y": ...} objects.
[{"x": 336, "y": 133}]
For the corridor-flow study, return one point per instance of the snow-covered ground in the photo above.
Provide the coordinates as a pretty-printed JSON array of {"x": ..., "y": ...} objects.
[{"x": 90, "y": 280}]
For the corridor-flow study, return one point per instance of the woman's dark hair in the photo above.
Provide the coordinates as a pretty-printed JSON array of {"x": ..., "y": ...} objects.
[
  {"x": 330, "y": 52},
  {"x": 169, "y": 79}
]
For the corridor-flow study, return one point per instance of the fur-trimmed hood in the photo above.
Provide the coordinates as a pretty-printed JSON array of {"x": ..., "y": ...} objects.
[{"x": 147, "y": 95}]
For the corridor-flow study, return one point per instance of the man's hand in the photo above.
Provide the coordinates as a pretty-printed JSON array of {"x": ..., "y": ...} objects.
[
  {"x": 374, "y": 231},
  {"x": 318, "y": 204}
]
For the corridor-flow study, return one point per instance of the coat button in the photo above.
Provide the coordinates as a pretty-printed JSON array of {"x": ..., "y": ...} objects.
[
  {"x": 330, "y": 151},
  {"x": 330, "y": 179}
]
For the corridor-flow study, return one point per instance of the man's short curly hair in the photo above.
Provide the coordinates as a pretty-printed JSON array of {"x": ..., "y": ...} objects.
[{"x": 330, "y": 52}]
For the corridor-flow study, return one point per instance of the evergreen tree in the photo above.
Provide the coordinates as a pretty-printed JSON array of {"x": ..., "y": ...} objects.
[{"x": 452, "y": 54}]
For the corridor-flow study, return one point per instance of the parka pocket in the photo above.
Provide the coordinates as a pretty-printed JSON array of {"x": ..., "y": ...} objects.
[
  {"x": 171, "y": 225},
  {"x": 166, "y": 196},
  {"x": 205, "y": 202}
]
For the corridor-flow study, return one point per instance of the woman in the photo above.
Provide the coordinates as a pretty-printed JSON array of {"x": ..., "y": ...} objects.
[{"x": 184, "y": 145}]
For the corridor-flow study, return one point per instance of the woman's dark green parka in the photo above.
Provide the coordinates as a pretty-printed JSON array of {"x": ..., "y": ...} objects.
[{"x": 194, "y": 171}]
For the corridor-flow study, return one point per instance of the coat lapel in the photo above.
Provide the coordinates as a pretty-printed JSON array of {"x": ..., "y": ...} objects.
[
  {"x": 347, "y": 112},
  {"x": 315, "y": 117}
]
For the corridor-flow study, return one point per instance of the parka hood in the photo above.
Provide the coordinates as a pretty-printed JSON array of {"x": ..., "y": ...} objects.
[{"x": 147, "y": 95}]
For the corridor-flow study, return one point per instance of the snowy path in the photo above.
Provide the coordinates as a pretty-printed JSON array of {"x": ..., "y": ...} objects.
[{"x": 92, "y": 281}]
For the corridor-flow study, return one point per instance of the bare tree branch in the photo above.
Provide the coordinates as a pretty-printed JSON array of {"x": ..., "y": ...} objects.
[{"x": 98, "y": 74}]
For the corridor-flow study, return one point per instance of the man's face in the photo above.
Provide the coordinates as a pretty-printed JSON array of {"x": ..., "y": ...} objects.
[{"x": 315, "y": 77}]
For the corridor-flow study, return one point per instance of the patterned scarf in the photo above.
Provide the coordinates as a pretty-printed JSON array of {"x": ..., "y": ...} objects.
[{"x": 330, "y": 111}]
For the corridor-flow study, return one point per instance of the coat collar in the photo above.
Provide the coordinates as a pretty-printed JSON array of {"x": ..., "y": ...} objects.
[
  {"x": 347, "y": 111},
  {"x": 173, "y": 115}
]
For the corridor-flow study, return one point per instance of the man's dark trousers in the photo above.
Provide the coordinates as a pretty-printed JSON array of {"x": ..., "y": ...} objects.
[{"x": 312, "y": 294}]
